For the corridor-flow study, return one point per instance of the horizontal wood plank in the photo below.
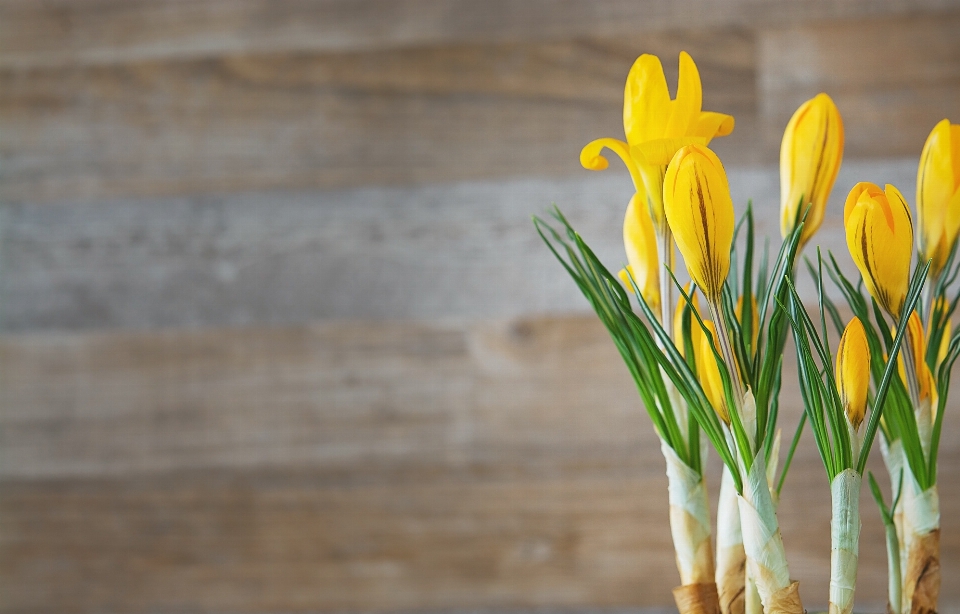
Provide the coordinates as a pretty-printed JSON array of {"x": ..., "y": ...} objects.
[
  {"x": 449, "y": 251},
  {"x": 229, "y": 124},
  {"x": 67, "y": 32},
  {"x": 360, "y": 466}
]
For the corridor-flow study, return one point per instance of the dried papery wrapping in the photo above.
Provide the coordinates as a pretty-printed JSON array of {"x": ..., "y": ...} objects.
[
  {"x": 785, "y": 601},
  {"x": 696, "y": 599},
  {"x": 689, "y": 520},
  {"x": 923, "y": 573},
  {"x": 731, "y": 559},
  {"x": 921, "y": 534},
  {"x": 844, "y": 539},
  {"x": 766, "y": 559}
]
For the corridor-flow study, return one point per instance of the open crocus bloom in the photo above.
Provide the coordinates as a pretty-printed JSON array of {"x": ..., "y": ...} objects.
[
  {"x": 656, "y": 127},
  {"x": 938, "y": 195}
]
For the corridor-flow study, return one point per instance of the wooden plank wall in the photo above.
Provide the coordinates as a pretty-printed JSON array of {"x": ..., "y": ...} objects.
[{"x": 278, "y": 335}]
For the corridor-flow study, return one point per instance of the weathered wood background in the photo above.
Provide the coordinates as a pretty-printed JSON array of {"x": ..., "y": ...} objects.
[{"x": 278, "y": 335}]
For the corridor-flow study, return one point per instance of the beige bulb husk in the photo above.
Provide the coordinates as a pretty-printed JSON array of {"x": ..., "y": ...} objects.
[
  {"x": 844, "y": 539},
  {"x": 763, "y": 545},
  {"x": 731, "y": 559}
]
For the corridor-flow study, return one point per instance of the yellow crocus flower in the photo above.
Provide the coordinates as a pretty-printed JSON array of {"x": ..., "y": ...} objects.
[
  {"x": 709, "y": 373},
  {"x": 810, "y": 157},
  {"x": 640, "y": 243},
  {"x": 853, "y": 372},
  {"x": 880, "y": 239},
  {"x": 915, "y": 343},
  {"x": 699, "y": 210},
  {"x": 656, "y": 126},
  {"x": 938, "y": 195}
]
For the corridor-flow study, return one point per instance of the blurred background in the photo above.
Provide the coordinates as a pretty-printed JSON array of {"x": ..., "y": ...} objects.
[{"x": 278, "y": 335}]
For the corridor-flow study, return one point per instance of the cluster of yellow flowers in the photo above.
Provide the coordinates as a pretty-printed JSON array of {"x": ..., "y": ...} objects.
[{"x": 682, "y": 199}]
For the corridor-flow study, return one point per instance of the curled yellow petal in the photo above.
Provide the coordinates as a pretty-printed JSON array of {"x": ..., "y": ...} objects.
[
  {"x": 938, "y": 195},
  {"x": 695, "y": 332},
  {"x": 852, "y": 372},
  {"x": 810, "y": 157},
  {"x": 640, "y": 243},
  {"x": 592, "y": 159},
  {"x": 699, "y": 210},
  {"x": 879, "y": 233},
  {"x": 709, "y": 372}
]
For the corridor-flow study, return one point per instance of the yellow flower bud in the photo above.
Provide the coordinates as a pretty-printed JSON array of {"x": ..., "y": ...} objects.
[
  {"x": 853, "y": 372},
  {"x": 700, "y": 212},
  {"x": 640, "y": 243},
  {"x": 938, "y": 195},
  {"x": 915, "y": 342},
  {"x": 880, "y": 239},
  {"x": 709, "y": 372},
  {"x": 695, "y": 332},
  {"x": 810, "y": 157}
]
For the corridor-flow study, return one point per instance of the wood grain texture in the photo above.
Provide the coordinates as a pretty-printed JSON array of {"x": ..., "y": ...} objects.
[
  {"x": 234, "y": 123},
  {"x": 445, "y": 251},
  {"x": 359, "y": 466},
  {"x": 892, "y": 79},
  {"x": 67, "y": 32}
]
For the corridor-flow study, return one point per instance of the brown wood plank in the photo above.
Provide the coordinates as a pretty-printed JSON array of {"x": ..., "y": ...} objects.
[
  {"x": 359, "y": 466},
  {"x": 892, "y": 79},
  {"x": 443, "y": 251},
  {"x": 297, "y": 121},
  {"x": 58, "y": 32}
]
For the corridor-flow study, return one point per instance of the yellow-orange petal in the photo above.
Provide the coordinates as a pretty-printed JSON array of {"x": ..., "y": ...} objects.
[
  {"x": 852, "y": 372},
  {"x": 709, "y": 373},
  {"x": 640, "y": 243},
  {"x": 879, "y": 233},
  {"x": 699, "y": 210},
  {"x": 810, "y": 156},
  {"x": 915, "y": 343}
]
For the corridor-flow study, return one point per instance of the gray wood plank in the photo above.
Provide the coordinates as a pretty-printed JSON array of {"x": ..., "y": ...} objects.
[
  {"x": 443, "y": 251},
  {"x": 62, "y": 32},
  {"x": 300, "y": 121},
  {"x": 356, "y": 466}
]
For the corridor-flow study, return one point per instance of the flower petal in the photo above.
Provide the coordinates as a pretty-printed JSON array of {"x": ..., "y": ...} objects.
[
  {"x": 711, "y": 124},
  {"x": 646, "y": 100},
  {"x": 686, "y": 107},
  {"x": 640, "y": 243}
]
